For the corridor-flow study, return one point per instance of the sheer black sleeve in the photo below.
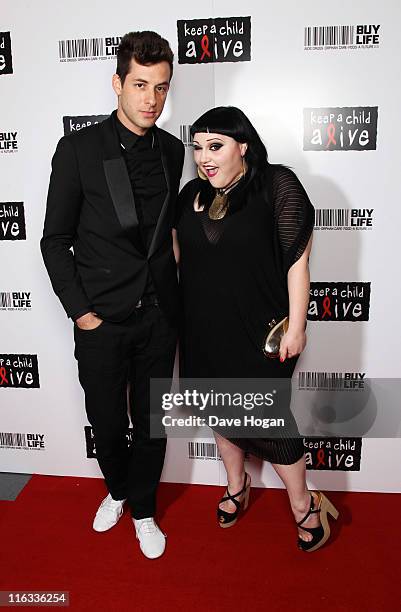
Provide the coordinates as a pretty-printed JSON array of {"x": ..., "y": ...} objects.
[{"x": 294, "y": 216}]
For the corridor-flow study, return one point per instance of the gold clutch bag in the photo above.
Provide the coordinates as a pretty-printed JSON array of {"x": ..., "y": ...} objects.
[{"x": 276, "y": 331}]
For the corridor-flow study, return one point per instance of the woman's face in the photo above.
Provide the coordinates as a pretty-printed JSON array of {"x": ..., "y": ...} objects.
[{"x": 218, "y": 157}]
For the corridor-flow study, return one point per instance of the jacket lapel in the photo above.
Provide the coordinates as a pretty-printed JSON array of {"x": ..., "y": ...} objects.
[
  {"x": 118, "y": 181},
  {"x": 158, "y": 231}
]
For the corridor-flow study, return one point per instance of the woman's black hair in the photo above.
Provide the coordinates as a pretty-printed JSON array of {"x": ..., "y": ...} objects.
[{"x": 232, "y": 121}]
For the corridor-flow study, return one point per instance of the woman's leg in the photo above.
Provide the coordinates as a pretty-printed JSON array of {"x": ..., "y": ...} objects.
[
  {"x": 233, "y": 459},
  {"x": 294, "y": 478}
]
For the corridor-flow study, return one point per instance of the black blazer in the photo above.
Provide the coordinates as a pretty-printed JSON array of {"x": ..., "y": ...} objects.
[{"x": 91, "y": 208}]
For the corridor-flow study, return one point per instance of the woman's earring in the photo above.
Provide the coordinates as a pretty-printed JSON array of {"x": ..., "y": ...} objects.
[
  {"x": 202, "y": 175},
  {"x": 244, "y": 167}
]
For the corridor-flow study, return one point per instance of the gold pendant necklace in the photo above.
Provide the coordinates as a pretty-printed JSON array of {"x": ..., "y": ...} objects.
[
  {"x": 218, "y": 207},
  {"x": 220, "y": 203}
]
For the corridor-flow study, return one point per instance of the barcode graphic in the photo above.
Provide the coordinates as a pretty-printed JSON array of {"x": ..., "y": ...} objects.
[
  {"x": 12, "y": 440},
  {"x": 203, "y": 450},
  {"x": 320, "y": 380},
  {"x": 321, "y": 36},
  {"x": 332, "y": 217},
  {"x": 5, "y": 299},
  {"x": 81, "y": 48},
  {"x": 185, "y": 134}
]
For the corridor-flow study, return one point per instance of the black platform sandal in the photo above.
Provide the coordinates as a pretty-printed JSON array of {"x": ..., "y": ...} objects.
[
  {"x": 320, "y": 534},
  {"x": 228, "y": 519}
]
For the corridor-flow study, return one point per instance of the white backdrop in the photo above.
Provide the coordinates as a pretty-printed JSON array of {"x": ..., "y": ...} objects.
[{"x": 42, "y": 424}]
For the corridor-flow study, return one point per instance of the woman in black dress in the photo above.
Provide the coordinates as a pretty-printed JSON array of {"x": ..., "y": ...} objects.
[{"x": 244, "y": 232}]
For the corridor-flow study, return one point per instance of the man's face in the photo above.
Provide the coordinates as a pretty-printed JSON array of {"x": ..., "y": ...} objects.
[{"x": 142, "y": 97}]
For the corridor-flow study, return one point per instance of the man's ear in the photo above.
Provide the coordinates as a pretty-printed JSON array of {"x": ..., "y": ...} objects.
[{"x": 116, "y": 84}]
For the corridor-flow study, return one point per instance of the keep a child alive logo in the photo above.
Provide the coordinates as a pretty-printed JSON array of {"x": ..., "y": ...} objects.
[
  {"x": 91, "y": 445},
  {"x": 12, "y": 221},
  {"x": 6, "y": 59},
  {"x": 19, "y": 371},
  {"x": 220, "y": 39},
  {"x": 349, "y": 128},
  {"x": 333, "y": 454},
  {"x": 339, "y": 301},
  {"x": 77, "y": 123}
]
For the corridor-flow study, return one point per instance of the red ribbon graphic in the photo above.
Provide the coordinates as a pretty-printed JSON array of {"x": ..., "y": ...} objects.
[
  {"x": 326, "y": 306},
  {"x": 3, "y": 373},
  {"x": 320, "y": 457},
  {"x": 205, "y": 47},
  {"x": 331, "y": 132}
]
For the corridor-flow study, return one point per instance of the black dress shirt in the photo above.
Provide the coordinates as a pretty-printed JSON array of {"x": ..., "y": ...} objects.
[{"x": 145, "y": 169}]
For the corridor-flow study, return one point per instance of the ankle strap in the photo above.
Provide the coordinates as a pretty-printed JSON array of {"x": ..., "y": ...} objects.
[
  {"x": 310, "y": 511},
  {"x": 231, "y": 497}
]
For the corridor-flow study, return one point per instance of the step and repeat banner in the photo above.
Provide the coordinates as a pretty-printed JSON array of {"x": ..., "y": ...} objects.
[{"x": 321, "y": 85}]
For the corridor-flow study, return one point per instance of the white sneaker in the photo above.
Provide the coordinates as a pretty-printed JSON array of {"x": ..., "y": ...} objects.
[
  {"x": 151, "y": 539},
  {"x": 108, "y": 514}
]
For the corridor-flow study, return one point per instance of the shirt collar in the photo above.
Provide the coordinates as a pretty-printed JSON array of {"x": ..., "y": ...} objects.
[{"x": 129, "y": 139}]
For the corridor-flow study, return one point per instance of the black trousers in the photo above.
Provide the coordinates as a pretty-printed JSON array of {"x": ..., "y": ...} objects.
[{"x": 109, "y": 357}]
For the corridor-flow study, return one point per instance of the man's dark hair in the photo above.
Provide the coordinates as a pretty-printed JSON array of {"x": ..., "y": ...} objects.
[{"x": 146, "y": 48}]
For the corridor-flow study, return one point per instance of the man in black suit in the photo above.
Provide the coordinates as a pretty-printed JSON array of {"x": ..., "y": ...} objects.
[{"x": 112, "y": 195}]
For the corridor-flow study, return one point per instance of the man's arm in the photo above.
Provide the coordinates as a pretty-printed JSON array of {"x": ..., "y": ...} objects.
[{"x": 61, "y": 221}]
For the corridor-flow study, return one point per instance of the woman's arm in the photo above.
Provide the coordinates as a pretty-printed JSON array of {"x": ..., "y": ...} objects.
[
  {"x": 176, "y": 247},
  {"x": 298, "y": 282}
]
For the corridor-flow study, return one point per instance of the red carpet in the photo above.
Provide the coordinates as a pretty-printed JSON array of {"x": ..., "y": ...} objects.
[{"x": 47, "y": 544}]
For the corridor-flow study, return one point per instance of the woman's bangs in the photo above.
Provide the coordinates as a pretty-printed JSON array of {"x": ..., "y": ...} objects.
[{"x": 221, "y": 120}]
